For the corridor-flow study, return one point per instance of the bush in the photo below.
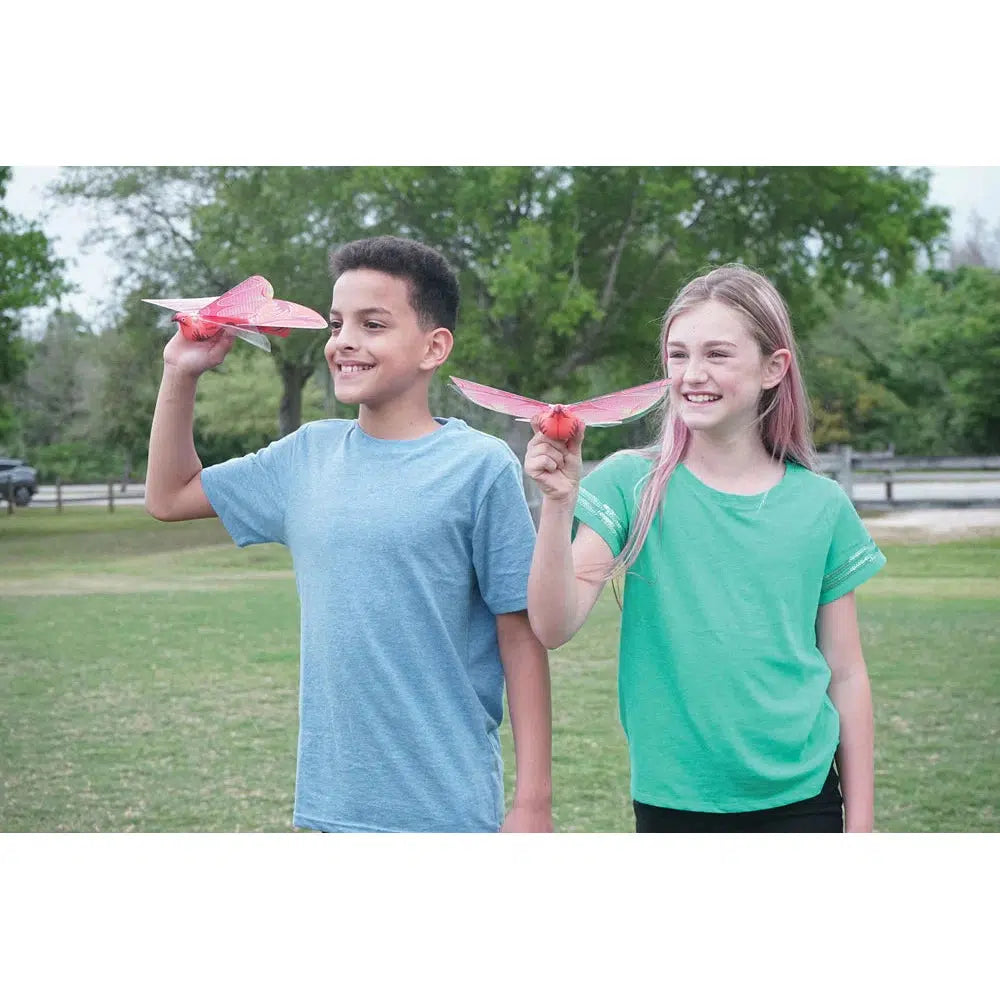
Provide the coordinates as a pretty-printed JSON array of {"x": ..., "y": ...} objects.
[{"x": 76, "y": 462}]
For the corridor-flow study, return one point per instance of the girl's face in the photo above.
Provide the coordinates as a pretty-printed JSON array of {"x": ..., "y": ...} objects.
[{"x": 717, "y": 370}]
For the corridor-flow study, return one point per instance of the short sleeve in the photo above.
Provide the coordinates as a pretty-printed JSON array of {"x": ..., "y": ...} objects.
[
  {"x": 853, "y": 557},
  {"x": 606, "y": 499},
  {"x": 250, "y": 494},
  {"x": 503, "y": 541}
]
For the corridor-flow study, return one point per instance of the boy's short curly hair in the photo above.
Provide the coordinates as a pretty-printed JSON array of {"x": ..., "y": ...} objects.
[{"x": 434, "y": 290}]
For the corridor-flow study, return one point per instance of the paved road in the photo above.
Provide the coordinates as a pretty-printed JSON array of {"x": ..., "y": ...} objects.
[
  {"x": 950, "y": 491},
  {"x": 93, "y": 495}
]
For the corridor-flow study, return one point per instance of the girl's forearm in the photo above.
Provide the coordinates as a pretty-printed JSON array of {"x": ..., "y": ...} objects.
[
  {"x": 552, "y": 584},
  {"x": 852, "y": 698}
]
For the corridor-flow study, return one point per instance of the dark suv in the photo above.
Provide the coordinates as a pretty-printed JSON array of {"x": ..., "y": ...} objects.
[{"x": 17, "y": 479}]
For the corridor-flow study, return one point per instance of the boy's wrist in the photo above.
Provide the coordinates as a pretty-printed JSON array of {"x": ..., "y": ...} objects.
[
  {"x": 181, "y": 378},
  {"x": 533, "y": 798}
]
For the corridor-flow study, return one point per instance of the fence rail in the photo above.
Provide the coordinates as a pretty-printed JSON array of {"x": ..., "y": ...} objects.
[
  {"x": 109, "y": 494},
  {"x": 873, "y": 478}
]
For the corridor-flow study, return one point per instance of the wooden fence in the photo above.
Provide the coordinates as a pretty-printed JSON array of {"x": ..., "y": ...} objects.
[
  {"x": 851, "y": 468},
  {"x": 60, "y": 495},
  {"x": 871, "y": 479}
]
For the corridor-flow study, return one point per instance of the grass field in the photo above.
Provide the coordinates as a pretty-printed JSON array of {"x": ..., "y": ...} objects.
[{"x": 148, "y": 682}]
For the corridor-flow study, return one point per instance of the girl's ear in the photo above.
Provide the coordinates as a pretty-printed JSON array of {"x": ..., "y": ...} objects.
[{"x": 776, "y": 367}]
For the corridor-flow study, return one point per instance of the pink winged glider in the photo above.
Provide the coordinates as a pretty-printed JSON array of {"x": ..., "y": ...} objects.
[
  {"x": 562, "y": 420},
  {"x": 249, "y": 310}
]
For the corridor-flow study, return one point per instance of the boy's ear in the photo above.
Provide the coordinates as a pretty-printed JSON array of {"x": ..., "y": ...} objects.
[
  {"x": 776, "y": 367},
  {"x": 438, "y": 346}
]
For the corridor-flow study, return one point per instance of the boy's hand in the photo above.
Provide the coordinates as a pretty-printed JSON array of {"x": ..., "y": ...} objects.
[
  {"x": 528, "y": 819},
  {"x": 193, "y": 357},
  {"x": 555, "y": 465}
]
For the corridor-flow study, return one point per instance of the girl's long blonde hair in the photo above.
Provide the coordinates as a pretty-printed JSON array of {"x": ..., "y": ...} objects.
[{"x": 783, "y": 410}]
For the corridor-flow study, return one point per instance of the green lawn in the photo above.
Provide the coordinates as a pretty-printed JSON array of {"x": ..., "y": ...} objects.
[{"x": 148, "y": 681}]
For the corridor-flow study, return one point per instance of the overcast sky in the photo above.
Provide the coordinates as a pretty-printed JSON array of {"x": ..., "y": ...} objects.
[{"x": 963, "y": 189}]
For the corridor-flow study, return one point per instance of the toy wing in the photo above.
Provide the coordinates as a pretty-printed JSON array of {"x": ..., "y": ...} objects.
[
  {"x": 619, "y": 407},
  {"x": 500, "y": 401},
  {"x": 601, "y": 411},
  {"x": 181, "y": 305},
  {"x": 254, "y": 337},
  {"x": 252, "y": 304}
]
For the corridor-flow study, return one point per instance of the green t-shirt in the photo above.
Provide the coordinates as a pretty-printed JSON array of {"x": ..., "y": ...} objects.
[{"x": 722, "y": 688}]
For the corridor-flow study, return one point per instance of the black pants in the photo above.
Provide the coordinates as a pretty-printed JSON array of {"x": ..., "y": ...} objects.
[{"x": 822, "y": 813}]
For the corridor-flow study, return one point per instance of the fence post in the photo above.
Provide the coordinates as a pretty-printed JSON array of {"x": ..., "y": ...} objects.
[
  {"x": 111, "y": 496},
  {"x": 888, "y": 486},
  {"x": 10, "y": 496},
  {"x": 847, "y": 482},
  {"x": 59, "y": 494}
]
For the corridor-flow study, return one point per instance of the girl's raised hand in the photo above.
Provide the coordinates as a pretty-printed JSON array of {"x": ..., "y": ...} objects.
[{"x": 555, "y": 465}]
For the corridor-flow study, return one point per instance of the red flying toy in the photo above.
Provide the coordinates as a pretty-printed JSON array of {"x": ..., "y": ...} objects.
[
  {"x": 562, "y": 420},
  {"x": 249, "y": 310}
]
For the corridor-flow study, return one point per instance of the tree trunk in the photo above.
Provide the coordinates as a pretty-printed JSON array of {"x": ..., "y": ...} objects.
[{"x": 293, "y": 378}]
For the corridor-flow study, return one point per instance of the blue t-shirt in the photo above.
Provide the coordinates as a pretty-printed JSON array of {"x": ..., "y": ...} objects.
[{"x": 404, "y": 553}]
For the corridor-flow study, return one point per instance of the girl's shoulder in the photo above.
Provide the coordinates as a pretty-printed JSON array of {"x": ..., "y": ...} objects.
[
  {"x": 626, "y": 465},
  {"x": 814, "y": 483}
]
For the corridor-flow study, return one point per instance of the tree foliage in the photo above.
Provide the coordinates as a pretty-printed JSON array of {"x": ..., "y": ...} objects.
[
  {"x": 30, "y": 275},
  {"x": 565, "y": 272}
]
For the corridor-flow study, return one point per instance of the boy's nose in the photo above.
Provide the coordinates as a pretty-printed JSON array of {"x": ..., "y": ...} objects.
[{"x": 346, "y": 339}]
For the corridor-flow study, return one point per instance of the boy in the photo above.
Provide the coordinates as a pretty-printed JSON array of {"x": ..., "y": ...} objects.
[{"x": 411, "y": 541}]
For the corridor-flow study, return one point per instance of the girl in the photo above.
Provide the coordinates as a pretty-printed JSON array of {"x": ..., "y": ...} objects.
[{"x": 741, "y": 676}]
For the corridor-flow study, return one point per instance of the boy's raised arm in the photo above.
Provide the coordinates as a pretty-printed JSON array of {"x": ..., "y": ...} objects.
[{"x": 173, "y": 473}]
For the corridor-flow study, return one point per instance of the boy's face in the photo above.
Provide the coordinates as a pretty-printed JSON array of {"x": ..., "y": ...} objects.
[{"x": 377, "y": 350}]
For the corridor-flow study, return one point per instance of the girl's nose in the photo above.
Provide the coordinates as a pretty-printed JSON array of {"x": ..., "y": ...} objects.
[{"x": 694, "y": 373}]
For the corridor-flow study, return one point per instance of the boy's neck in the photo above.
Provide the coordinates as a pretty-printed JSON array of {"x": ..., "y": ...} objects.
[{"x": 397, "y": 423}]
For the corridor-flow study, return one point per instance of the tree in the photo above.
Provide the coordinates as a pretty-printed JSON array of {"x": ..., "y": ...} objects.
[
  {"x": 196, "y": 231},
  {"x": 564, "y": 270},
  {"x": 30, "y": 275},
  {"x": 851, "y": 365},
  {"x": 952, "y": 346},
  {"x": 58, "y": 396},
  {"x": 979, "y": 248}
]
